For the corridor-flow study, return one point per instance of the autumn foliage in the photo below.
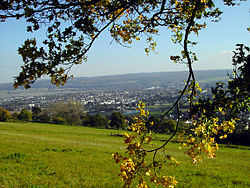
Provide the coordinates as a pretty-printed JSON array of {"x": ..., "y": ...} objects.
[{"x": 133, "y": 164}]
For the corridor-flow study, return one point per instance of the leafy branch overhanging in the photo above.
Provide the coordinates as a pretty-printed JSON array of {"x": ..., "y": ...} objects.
[{"x": 74, "y": 25}]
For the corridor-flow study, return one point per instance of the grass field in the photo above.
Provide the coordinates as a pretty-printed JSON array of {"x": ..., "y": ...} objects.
[{"x": 46, "y": 155}]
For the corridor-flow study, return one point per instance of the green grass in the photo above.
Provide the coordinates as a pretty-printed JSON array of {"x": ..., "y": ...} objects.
[{"x": 47, "y": 155}]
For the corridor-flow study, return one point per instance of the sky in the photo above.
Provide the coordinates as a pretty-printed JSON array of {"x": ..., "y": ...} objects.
[{"x": 214, "y": 49}]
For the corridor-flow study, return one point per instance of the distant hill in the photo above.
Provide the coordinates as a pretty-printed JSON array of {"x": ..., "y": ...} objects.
[{"x": 126, "y": 81}]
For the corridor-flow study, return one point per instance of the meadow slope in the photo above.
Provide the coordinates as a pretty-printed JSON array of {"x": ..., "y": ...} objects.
[{"x": 47, "y": 155}]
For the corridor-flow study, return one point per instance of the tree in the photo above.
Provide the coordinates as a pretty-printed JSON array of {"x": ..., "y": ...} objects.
[
  {"x": 117, "y": 120},
  {"x": 73, "y": 26},
  {"x": 167, "y": 126},
  {"x": 35, "y": 112},
  {"x": 43, "y": 118},
  {"x": 25, "y": 115},
  {"x": 70, "y": 111},
  {"x": 4, "y": 115},
  {"x": 96, "y": 120}
]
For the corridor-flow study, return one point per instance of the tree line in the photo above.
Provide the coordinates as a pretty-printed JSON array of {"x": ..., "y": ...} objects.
[
  {"x": 72, "y": 113},
  {"x": 65, "y": 113}
]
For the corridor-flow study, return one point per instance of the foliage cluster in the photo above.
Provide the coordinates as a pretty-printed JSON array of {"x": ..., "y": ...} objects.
[
  {"x": 211, "y": 119},
  {"x": 217, "y": 117},
  {"x": 117, "y": 120},
  {"x": 167, "y": 126},
  {"x": 66, "y": 112},
  {"x": 70, "y": 113},
  {"x": 96, "y": 120},
  {"x": 25, "y": 115},
  {"x": 5, "y": 115},
  {"x": 133, "y": 164}
]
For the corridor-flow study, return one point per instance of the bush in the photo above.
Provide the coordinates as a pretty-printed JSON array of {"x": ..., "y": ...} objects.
[
  {"x": 96, "y": 120},
  {"x": 43, "y": 118},
  {"x": 167, "y": 126},
  {"x": 5, "y": 115},
  {"x": 58, "y": 120},
  {"x": 237, "y": 138},
  {"x": 25, "y": 115},
  {"x": 117, "y": 120}
]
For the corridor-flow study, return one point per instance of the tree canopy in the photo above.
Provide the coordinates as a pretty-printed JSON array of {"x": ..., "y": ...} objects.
[
  {"x": 117, "y": 120},
  {"x": 72, "y": 26},
  {"x": 25, "y": 115},
  {"x": 4, "y": 115}
]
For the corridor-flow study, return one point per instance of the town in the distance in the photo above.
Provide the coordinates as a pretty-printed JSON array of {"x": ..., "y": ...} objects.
[{"x": 97, "y": 101}]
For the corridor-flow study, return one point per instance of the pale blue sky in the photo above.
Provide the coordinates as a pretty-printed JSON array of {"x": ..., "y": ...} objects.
[{"x": 214, "y": 50}]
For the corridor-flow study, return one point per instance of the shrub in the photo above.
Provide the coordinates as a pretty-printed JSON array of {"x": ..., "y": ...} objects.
[
  {"x": 96, "y": 120},
  {"x": 43, "y": 118},
  {"x": 117, "y": 120},
  {"x": 25, "y": 115},
  {"x": 58, "y": 120},
  {"x": 4, "y": 115}
]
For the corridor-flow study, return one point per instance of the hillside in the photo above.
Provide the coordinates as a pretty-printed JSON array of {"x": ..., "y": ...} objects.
[
  {"x": 47, "y": 155},
  {"x": 130, "y": 80},
  {"x": 124, "y": 81}
]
